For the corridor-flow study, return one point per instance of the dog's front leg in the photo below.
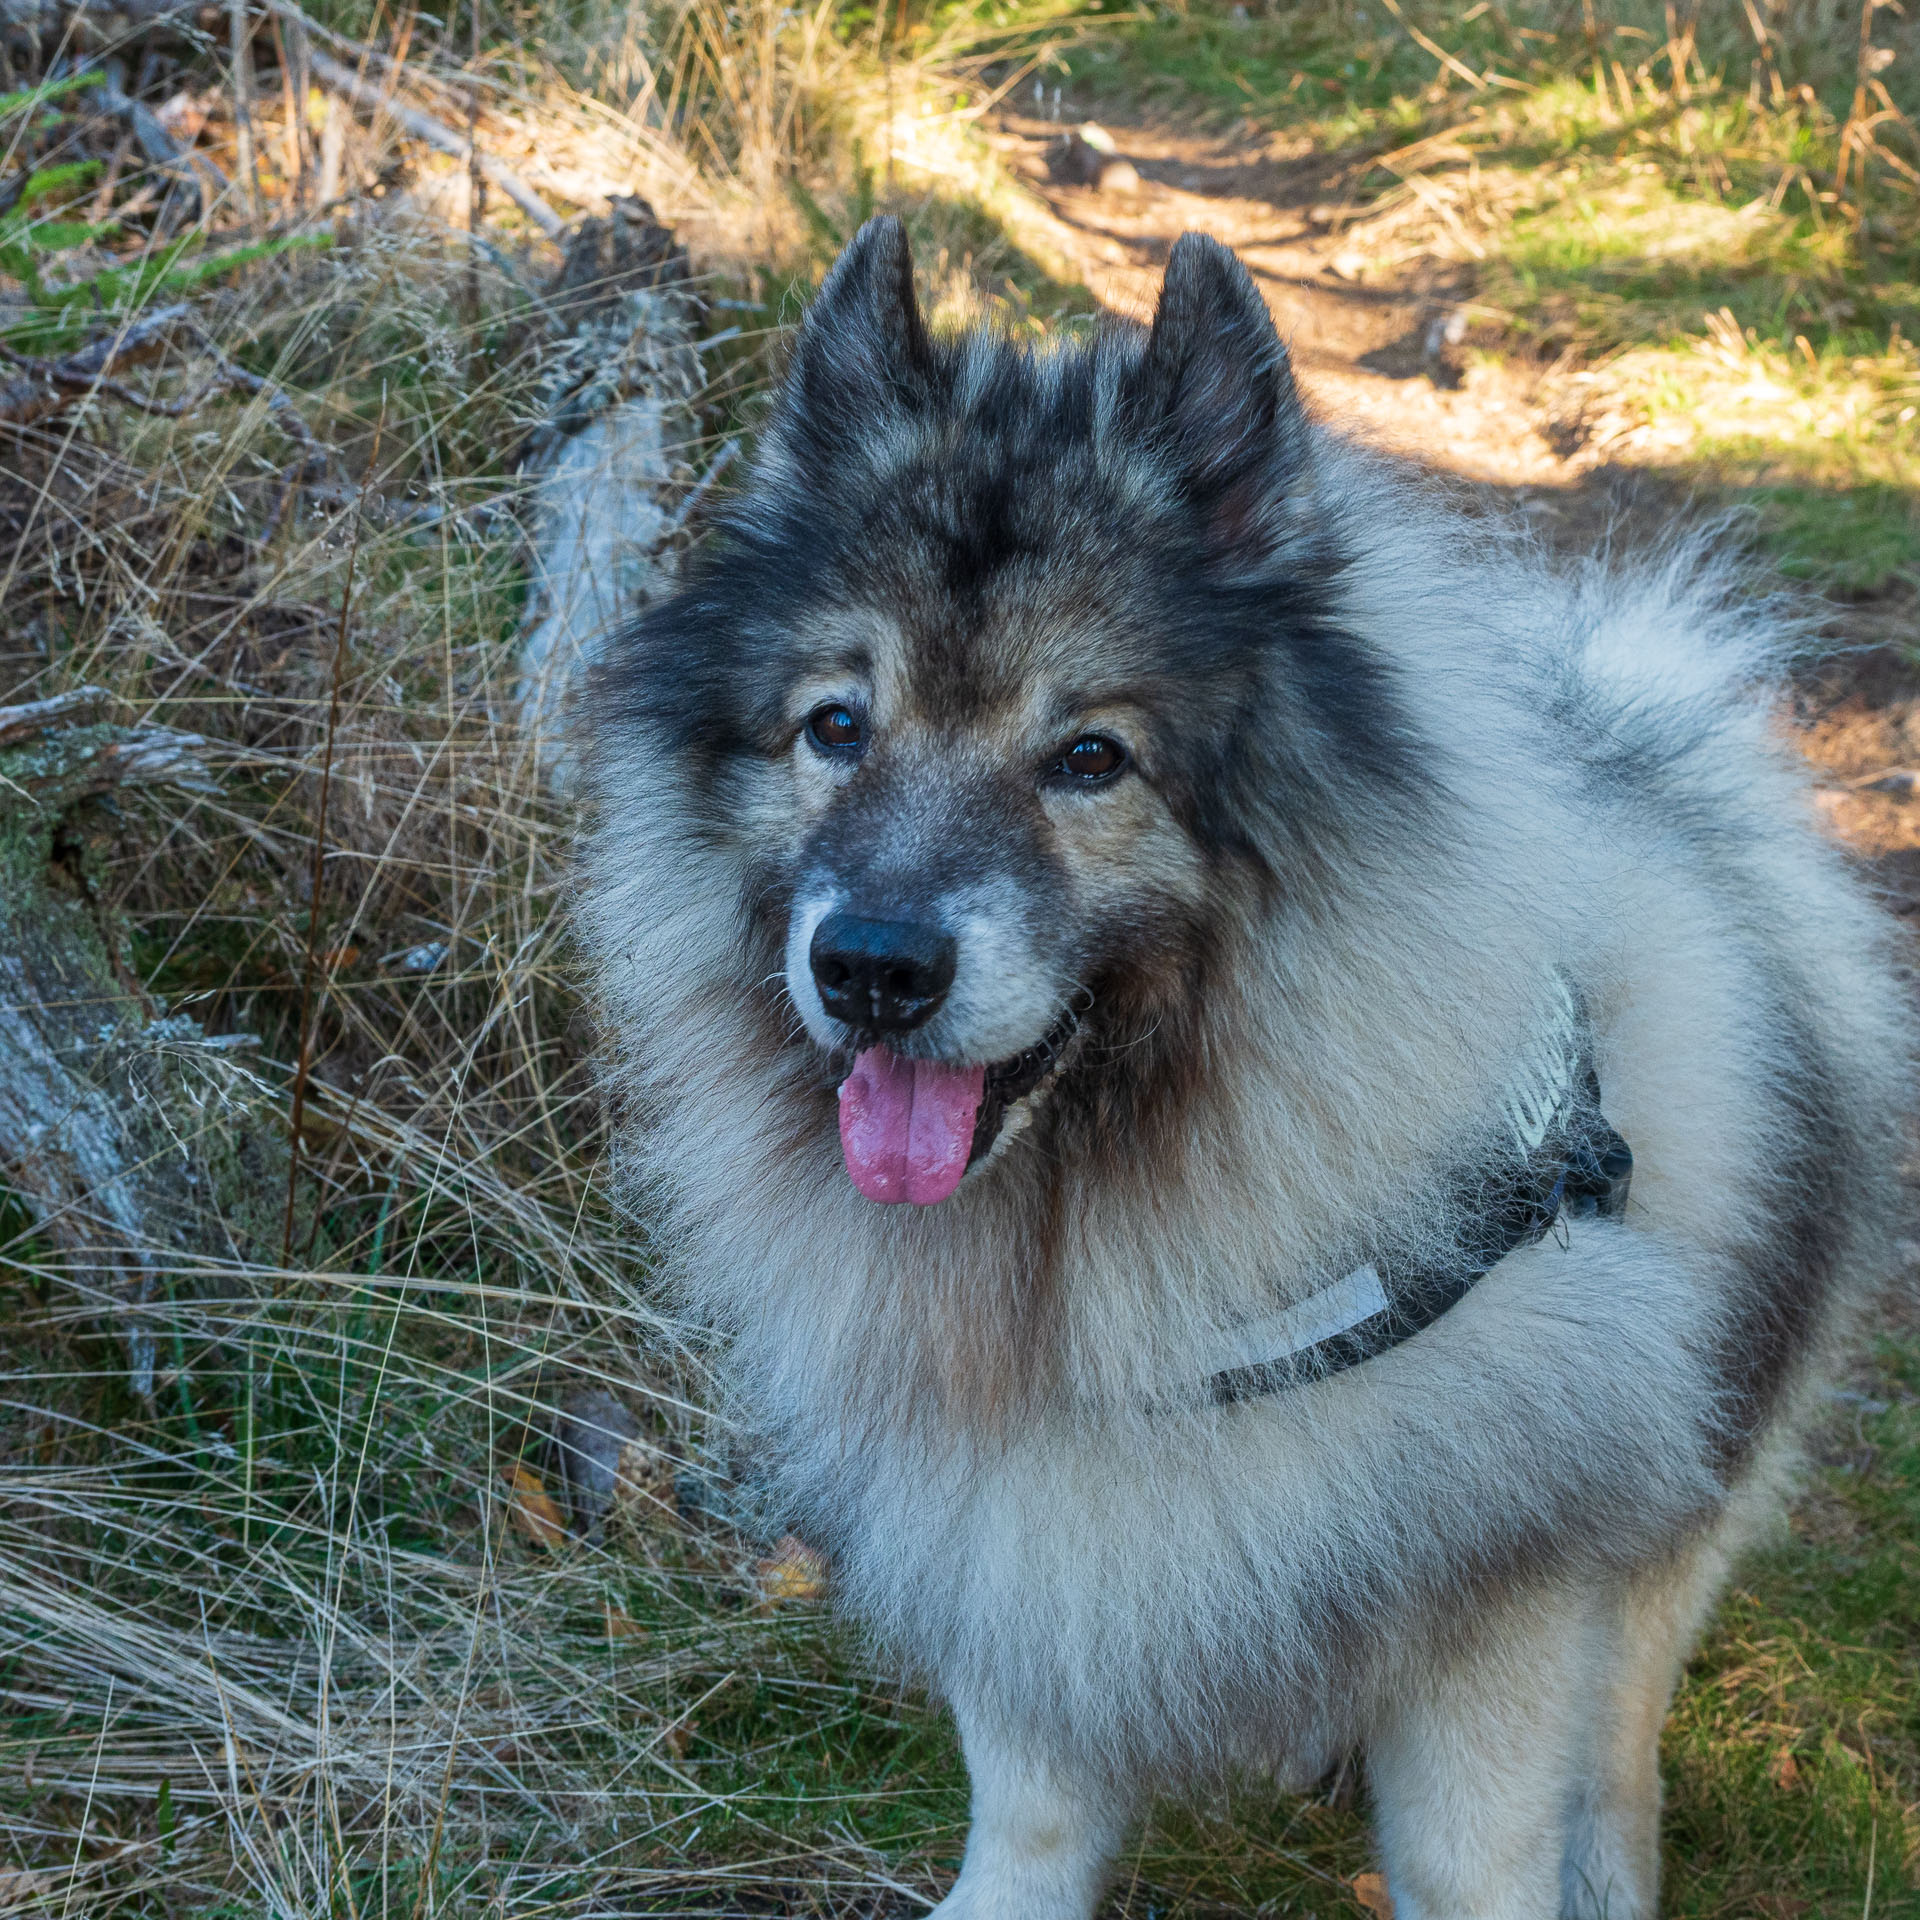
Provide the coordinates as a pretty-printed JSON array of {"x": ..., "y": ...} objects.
[
  {"x": 1475, "y": 1769},
  {"x": 1044, "y": 1833}
]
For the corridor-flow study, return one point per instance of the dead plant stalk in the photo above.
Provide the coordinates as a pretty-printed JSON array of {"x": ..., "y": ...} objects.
[{"x": 305, "y": 1063}]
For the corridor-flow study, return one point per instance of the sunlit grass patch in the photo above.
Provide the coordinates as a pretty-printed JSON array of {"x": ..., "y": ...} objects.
[
  {"x": 1624, "y": 257},
  {"x": 1595, "y": 185},
  {"x": 1326, "y": 73},
  {"x": 1825, "y": 447},
  {"x": 1596, "y": 233}
]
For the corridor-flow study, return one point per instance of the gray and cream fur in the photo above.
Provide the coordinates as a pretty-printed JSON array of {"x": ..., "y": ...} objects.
[{"x": 1367, "y": 774}]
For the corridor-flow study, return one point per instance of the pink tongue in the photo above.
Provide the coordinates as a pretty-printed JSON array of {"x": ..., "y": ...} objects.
[{"x": 906, "y": 1126}]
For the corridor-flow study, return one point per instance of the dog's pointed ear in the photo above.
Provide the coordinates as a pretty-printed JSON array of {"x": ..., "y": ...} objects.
[
  {"x": 863, "y": 347},
  {"x": 1215, "y": 389}
]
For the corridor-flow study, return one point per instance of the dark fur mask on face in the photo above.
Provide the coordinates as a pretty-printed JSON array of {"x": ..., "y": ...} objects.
[{"x": 1144, "y": 502}]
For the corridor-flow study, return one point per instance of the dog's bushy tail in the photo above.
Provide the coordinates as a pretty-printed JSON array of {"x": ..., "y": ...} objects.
[{"x": 1688, "y": 624}]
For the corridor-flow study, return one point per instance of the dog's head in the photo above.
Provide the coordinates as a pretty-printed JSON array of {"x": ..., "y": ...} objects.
[{"x": 1013, "y": 682}]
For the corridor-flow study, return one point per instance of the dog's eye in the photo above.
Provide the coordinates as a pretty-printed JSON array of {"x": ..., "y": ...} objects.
[
  {"x": 1091, "y": 761},
  {"x": 836, "y": 730}
]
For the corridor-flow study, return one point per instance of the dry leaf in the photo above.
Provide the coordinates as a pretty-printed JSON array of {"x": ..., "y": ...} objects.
[
  {"x": 791, "y": 1575},
  {"x": 1785, "y": 1771},
  {"x": 1370, "y": 1889},
  {"x": 533, "y": 1510},
  {"x": 622, "y": 1626},
  {"x": 19, "y": 1889}
]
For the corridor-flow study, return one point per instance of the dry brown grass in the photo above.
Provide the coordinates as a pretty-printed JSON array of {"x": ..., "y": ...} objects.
[{"x": 306, "y": 1630}]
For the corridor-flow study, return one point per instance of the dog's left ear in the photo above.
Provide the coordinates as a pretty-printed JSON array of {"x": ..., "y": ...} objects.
[{"x": 1215, "y": 390}]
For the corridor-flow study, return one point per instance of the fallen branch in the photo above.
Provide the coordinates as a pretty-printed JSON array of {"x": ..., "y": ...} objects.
[
  {"x": 135, "y": 1140},
  {"x": 55, "y": 16},
  {"x": 78, "y": 759},
  {"x": 156, "y": 144},
  {"x": 437, "y": 134},
  {"x": 47, "y": 387},
  {"x": 22, "y": 723},
  {"x": 195, "y": 172},
  {"x": 49, "y": 16}
]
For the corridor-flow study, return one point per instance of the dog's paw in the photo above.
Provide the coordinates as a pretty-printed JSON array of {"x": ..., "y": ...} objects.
[{"x": 1001, "y": 1898}]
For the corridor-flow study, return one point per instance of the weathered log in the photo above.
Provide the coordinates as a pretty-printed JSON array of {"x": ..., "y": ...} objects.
[
  {"x": 609, "y": 458},
  {"x": 139, "y": 1144}
]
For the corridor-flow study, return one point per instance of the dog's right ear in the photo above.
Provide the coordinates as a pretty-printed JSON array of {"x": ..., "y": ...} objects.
[{"x": 863, "y": 348}]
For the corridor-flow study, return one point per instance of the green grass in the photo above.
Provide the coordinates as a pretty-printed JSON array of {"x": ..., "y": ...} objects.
[
  {"x": 1794, "y": 1755},
  {"x": 1850, "y": 541}
]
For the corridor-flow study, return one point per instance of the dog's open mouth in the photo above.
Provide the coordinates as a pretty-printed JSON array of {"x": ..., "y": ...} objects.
[{"x": 910, "y": 1129}]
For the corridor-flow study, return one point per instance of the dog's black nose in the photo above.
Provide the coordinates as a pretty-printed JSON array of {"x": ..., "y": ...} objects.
[{"x": 881, "y": 976}]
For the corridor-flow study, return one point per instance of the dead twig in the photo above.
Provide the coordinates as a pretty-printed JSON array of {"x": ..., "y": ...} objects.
[
  {"x": 476, "y": 179},
  {"x": 1857, "y": 136},
  {"x": 1764, "y": 41},
  {"x": 438, "y": 135},
  {"x": 290, "y": 44}
]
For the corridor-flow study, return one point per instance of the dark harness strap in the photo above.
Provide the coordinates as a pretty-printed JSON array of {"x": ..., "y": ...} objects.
[{"x": 1566, "y": 1162}]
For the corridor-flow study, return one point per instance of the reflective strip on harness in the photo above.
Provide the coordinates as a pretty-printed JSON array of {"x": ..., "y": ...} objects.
[{"x": 1566, "y": 1160}]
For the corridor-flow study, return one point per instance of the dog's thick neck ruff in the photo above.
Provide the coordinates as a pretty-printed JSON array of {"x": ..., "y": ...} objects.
[
  {"x": 908, "y": 1134},
  {"x": 1558, "y": 1158}
]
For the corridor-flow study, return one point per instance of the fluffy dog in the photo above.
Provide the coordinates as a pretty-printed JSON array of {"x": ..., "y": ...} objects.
[{"x": 1275, "y": 1100}]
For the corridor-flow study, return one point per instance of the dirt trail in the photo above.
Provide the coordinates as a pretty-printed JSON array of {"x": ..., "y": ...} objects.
[{"x": 1377, "y": 361}]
